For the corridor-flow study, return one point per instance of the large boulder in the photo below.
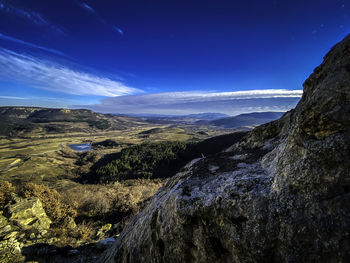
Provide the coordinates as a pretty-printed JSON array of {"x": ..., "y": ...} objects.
[
  {"x": 281, "y": 194},
  {"x": 28, "y": 213}
]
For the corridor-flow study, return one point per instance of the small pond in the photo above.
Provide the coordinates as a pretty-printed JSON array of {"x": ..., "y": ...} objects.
[{"x": 80, "y": 147}]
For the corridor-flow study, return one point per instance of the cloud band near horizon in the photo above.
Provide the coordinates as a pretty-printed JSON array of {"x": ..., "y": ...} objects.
[{"x": 182, "y": 103}]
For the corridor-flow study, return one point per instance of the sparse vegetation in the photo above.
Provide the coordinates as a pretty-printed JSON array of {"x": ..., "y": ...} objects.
[
  {"x": 110, "y": 203},
  {"x": 85, "y": 231},
  {"x": 90, "y": 206},
  {"x": 55, "y": 208},
  {"x": 6, "y": 189},
  {"x": 100, "y": 124}
]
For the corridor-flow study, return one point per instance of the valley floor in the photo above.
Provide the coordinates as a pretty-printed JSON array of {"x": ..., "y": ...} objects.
[{"x": 43, "y": 166}]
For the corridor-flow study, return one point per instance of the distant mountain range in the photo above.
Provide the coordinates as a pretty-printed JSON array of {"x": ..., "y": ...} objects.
[
  {"x": 23, "y": 121},
  {"x": 247, "y": 120},
  {"x": 207, "y": 116},
  {"x": 188, "y": 119}
]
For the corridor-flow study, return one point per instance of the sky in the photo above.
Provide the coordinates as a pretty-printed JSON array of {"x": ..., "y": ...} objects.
[{"x": 164, "y": 57}]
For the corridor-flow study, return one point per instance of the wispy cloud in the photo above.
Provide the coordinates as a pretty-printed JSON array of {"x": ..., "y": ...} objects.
[
  {"x": 88, "y": 8},
  {"x": 121, "y": 32},
  {"x": 92, "y": 11},
  {"x": 29, "y": 15},
  {"x": 49, "y": 75},
  {"x": 179, "y": 103},
  {"x": 12, "y": 98},
  {"x": 28, "y": 44}
]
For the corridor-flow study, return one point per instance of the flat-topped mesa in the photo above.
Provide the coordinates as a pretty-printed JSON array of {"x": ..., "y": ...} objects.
[{"x": 281, "y": 194}]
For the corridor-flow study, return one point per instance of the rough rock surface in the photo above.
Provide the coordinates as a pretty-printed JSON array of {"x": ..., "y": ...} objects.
[
  {"x": 282, "y": 194},
  {"x": 28, "y": 213}
]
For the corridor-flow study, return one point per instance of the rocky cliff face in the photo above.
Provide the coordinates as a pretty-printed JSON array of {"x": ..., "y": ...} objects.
[{"x": 282, "y": 194}]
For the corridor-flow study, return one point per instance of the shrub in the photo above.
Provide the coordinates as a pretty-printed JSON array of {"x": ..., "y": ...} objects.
[
  {"x": 99, "y": 124},
  {"x": 110, "y": 203},
  {"x": 6, "y": 189},
  {"x": 52, "y": 202},
  {"x": 84, "y": 231}
]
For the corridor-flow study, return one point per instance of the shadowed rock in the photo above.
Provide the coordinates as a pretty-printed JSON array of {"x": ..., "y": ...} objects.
[{"x": 281, "y": 194}]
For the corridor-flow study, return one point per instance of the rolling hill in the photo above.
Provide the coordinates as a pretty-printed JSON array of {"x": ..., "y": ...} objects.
[{"x": 23, "y": 121}]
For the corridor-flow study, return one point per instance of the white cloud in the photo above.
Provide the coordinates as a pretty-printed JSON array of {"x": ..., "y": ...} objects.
[
  {"x": 48, "y": 75},
  {"x": 12, "y": 98},
  {"x": 28, "y": 44},
  {"x": 179, "y": 103}
]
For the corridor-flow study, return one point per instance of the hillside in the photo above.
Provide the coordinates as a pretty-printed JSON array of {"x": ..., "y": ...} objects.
[
  {"x": 26, "y": 121},
  {"x": 155, "y": 160},
  {"x": 281, "y": 194}
]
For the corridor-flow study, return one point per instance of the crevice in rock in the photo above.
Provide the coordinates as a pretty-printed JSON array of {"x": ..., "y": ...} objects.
[{"x": 217, "y": 247}]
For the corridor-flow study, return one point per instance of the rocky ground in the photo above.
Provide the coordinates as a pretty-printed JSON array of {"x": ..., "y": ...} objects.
[
  {"x": 279, "y": 195},
  {"x": 25, "y": 234}
]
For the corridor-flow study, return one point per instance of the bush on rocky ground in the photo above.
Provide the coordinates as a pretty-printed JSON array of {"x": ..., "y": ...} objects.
[
  {"x": 55, "y": 208},
  {"x": 110, "y": 203},
  {"x": 6, "y": 189}
]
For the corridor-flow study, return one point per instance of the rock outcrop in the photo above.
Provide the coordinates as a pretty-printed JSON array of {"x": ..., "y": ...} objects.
[
  {"x": 28, "y": 213},
  {"x": 21, "y": 219},
  {"x": 281, "y": 194}
]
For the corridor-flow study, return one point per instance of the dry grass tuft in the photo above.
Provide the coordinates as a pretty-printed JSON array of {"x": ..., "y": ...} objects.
[
  {"x": 113, "y": 202},
  {"x": 85, "y": 231}
]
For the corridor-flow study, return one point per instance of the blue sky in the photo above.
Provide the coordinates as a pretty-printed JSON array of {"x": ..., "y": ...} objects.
[{"x": 166, "y": 57}]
